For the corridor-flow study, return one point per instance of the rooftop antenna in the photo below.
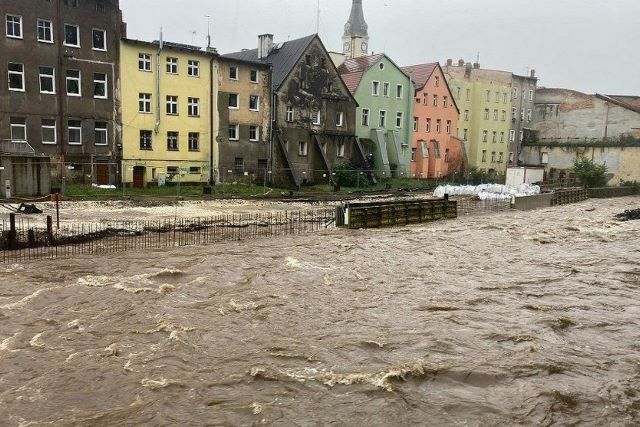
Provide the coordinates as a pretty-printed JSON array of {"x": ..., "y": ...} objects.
[
  {"x": 208, "y": 31},
  {"x": 478, "y": 58},
  {"x": 318, "y": 19}
]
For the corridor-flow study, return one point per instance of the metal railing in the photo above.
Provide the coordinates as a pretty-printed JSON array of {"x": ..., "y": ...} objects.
[{"x": 9, "y": 146}]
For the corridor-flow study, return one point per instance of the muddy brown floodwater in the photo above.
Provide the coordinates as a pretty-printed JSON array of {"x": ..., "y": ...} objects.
[{"x": 518, "y": 318}]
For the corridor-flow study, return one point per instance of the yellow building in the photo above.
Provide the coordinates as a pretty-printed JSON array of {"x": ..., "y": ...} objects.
[{"x": 169, "y": 112}]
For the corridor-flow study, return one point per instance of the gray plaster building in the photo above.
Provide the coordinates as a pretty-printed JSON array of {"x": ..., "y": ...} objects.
[
  {"x": 59, "y": 95},
  {"x": 523, "y": 93}
]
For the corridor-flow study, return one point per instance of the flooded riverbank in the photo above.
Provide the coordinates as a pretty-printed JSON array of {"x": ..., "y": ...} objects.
[{"x": 518, "y": 318}]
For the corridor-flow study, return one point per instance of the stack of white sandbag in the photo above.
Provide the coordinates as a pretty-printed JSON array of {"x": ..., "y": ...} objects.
[{"x": 487, "y": 191}]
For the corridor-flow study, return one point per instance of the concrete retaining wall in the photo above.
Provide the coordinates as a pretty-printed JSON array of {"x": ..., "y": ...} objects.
[
  {"x": 538, "y": 201},
  {"x": 29, "y": 176},
  {"x": 608, "y": 192}
]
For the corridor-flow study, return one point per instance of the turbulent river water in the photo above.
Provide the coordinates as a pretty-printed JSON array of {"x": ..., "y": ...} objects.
[{"x": 518, "y": 318}]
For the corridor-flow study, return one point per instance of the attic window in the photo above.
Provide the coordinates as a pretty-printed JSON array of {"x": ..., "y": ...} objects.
[
  {"x": 308, "y": 59},
  {"x": 382, "y": 66}
]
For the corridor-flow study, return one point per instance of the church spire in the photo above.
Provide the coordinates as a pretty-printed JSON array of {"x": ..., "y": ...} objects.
[{"x": 356, "y": 33}]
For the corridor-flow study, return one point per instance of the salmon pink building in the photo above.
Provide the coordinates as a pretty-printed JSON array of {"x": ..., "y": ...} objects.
[{"x": 435, "y": 150}]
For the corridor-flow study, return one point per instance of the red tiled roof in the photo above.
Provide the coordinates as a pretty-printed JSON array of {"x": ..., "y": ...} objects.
[
  {"x": 627, "y": 99},
  {"x": 352, "y": 80},
  {"x": 420, "y": 73},
  {"x": 353, "y": 69}
]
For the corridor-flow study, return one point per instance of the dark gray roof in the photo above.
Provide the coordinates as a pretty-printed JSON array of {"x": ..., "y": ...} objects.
[
  {"x": 282, "y": 58},
  {"x": 356, "y": 26}
]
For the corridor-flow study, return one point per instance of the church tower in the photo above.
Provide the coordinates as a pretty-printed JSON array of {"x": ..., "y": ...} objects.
[{"x": 355, "y": 41}]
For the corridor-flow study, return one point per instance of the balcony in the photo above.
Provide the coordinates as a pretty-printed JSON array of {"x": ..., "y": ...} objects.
[{"x": 12, "y": 147}]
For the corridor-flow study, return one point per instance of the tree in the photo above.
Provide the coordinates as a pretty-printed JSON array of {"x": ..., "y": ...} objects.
[{"x": 590, "y": 174}]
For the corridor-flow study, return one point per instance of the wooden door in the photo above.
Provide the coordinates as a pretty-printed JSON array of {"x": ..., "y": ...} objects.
[
  {"x": 138, "y": 176},
  {"x": 102, "y": 174}
]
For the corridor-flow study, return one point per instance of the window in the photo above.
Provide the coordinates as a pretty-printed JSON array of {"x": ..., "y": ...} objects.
[
  {"x": 172, "y": 65},
  {"x": 233, "y": 73},
  {"x": 45, "y": 31},
  {"x": 73, "y": 83},
  {"x": 493, "y": 157},
  {"x": 447, "y": 157},
  {"x": 14, "y": 26},
  {"x": 238, "y": 165},
  {"x": 458, "y": 91},
  {"x": 529, "y": 115},
  {"x": 385, "y": 89},
  {"x": 449, "y": 126},
  {"x": 445, "y": 101},
  {"x": 365, "y": 117},
  {"x": 71, "y": 35},
  {"x": 16, "y": 77},
  {"x": 501, "y": 157},
  {"x": 428, "y": 125},
  {"x": 486, "y": 114},
  {"x": 47, "y": 80},
  {"x": 437, "y": 81},
  {"x": 49, "y": 135},
  {"x": 194, "y": 141},
  {"x": 512, "y": 135},
  {"x": 172, "y": 105},
  {"x": 521, "y": 136},
  {"x": 510, "y": 157},
  {"x": 426, "y": 99},
  {"x": 144, "y": 62},
  {"x": 302, "y": 148},
  {"x": 339, "y": 119},
  {"x": 193, "y": 107},
  {"x": 514, "y": 113},
  {"x": 415, "y": 124},
  {"x": 99, "y": 40},
  {"x": 495, "y": 137},
  {"x": 515, "y": 93},
  {"x": 144, "y": 103},
  {"x": 485, "y": 134},
  {"x": 101, "y": 133},
  {"x": 468, "y": 95},
  {"x": 399, "y": 91},
  {"x": 466, "y": 115},
  {"x": 145, "y": 140},
  {"x": 504, "y": 98},
  {"x": 522, "y": 114},
  {"x": 375, "y": 88},
  {"x": 436, "y": 149},
  {"x": 413, "y": 154},
  {"x": 438, "y": 125},
  {"x": 254, "y": 133},
  {"x": 435, "y": 100},
  {"x": 315, "y": 117},
  {"x": 234, "y": 101},
  {"x": 504, "y": 115},
  {"x": 497, "y": 97},
  {"x": 18, "y": 129},
  {"x": 100, "y": 7},
  {"x": 74, "y": 128},
  {"x": 193, "y": 68},
  {"x": 172, "y": 141},
  {"x": 495, "y": 115},
  {"x": 233, "y": 133},
  {"x": 501, "y": 136},
  {"x": 399, "y": 117},
  {"x": 100, "y": 85},
  {"x": 530, "y": 94},
  {"x": 340, "y": 150},
  {"x": 382, "y": 119},
  {"x": 289, "y": 115},
  {"x": 194, "y": 170},
  {"x": 173, "y": 170},
  {"x": 465, "y": 134},
  {"x": 254, "y": 103},
  {"x": 488, "y": 96},
  {"x": 253, "y": 76},
  {"x": 484, "y": 155}
]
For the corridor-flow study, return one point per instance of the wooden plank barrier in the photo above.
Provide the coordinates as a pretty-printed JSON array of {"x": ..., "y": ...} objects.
[{"x": 396, "y": 213}]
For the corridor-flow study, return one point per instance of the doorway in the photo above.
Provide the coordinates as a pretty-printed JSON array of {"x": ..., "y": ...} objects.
[{"x": 138, "y": 176}]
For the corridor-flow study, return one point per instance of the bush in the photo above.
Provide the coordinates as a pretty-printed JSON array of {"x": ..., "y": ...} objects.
[
  {"x": 346, "y": 175},
  {"x": 590, "y": 174}
]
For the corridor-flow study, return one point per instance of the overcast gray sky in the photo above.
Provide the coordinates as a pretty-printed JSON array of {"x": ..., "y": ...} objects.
[{"x": 587, "y": 45}]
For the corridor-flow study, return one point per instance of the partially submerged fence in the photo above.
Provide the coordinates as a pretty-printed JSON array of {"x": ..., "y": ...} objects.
[
  {"x": 392, "y": 213},
  {"x": 23, "y": 242},
  {"x": 569, "y": 195}
]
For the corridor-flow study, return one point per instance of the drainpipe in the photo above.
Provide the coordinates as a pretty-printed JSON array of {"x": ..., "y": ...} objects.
[
  {"x": 212, "y": 113},
  {"x": 160, "y": 46},
  {"x": 409, "y": 121},
  {"x": 61, "y": 89},
  {"x": 272, "y": 118}
]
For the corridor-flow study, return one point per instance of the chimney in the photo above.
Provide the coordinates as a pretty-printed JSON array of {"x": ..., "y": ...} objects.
[
  {"x": 265, "y": 45},
  {"x": 460, "y": 62},
  {"x": 476, "y": 65},
  {"x": 449, "y": 62},
  {"x": 533, "y": 73}
]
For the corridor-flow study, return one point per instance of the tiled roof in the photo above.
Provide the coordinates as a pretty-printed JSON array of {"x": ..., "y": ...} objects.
[
  {"x": 282, "y": 58},
  {"x": 633, "y": 101},
  {"x": 420, "y": 73},
  {"x": 352, "y": 80},
  {"x": 353, "y": 69}
]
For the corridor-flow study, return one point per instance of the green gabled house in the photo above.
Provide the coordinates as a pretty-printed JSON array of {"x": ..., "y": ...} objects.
[{"x": 384, "y": 118}]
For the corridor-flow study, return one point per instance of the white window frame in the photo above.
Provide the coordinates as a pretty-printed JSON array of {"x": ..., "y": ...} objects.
[
  {"x": 257, "y": 76},
  {"x": 49, "y": 127},
  {"x": 427, "y": 125},
  {"x": 512, "y": 135},
  {"x": 145, "y": 60},
  {"x": 193, "y": 68},
  {"x": 530, "y": 94},
  {"x": 44, "y": 21},
  {"x": 256, "y": 136},
  {"x": 435, "y": 101},
  {"x": 445, "y": 101},
  {"x": 448, "y": 126},
  {"x": 18, "y": 73},
  {"x": 257, "y": 98},
  {"x": 521, "y": 135},
  {"x": 529, "y": 115},
  {"x": 144, "y": 133},
  {"x": 78, "y": 79},
  {"x": 438, "y": 125},
  {"x": 386, "y": 87},
  {"x": 382, "y": 119},
  {"x": 237, "y": 106},
  {"x": 104, "y": 35},
  {"x": 171, "y": 101},
  {"x": 6, "y": 26},
  {"x": 104, "y": 130},
  {"x": 171, "y": 65},
  {"x": 103, "y": 82},
  {"x": 399, "y": 119},
  {"x": 193, "y": 107},
  {"x": 339, "y": 119},
  {"x": 236, "y": 131},
  {"x": 144, "y": 101},
  {"x": 316, "y": 118},
  {"x": 365, "y": 119},
  {"x": 399, "y": 91},
  {"x": 375, "y": 88},
  {"x": 515, "y": 93},
  {"x": 22, "y": 125},
  {"x": 69, "y": 127},
  {"x": 303, "y": 149},
  {"x": 289, "y": 114},
  {"x": 234, "y": 75},
  {"x": 416, "y": 121},
  {"x": 77, "y": 27},
  {"x": 48, "y": 76}
]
